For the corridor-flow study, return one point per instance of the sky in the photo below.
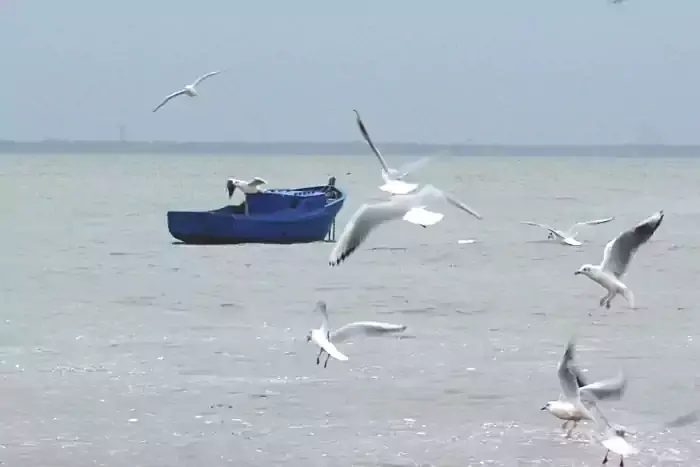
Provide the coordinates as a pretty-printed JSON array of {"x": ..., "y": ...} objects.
[{"x": 445, "y": 71}]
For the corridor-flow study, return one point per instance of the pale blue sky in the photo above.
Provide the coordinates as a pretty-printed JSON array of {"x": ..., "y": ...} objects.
[{"x": 444, "y": 71}]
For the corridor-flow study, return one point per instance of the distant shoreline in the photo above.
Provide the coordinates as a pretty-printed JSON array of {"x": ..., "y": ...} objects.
[{"x": 339, "y": 149}]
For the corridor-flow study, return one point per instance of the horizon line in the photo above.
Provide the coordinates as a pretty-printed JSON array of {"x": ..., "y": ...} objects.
[{"x": 339, "y": 143}]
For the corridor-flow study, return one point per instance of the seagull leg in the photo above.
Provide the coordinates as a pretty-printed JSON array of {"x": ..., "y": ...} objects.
[
  {"x": 622, "y": 461},
  {"x": 327, "y": 357},
  {"x": 605, "y": 459},
  {"x": 318, "y": 358},
  {"x": 565, "y": 425},
  {"x": 610, "y": 297},
  {"x": 568, "y": 434}
]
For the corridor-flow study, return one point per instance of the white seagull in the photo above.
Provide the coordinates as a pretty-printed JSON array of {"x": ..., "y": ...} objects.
[
  {"x": 578, "y": 395},
  {"x": 568, "y": 237},
  {"x": 253, "y": 185},
  {"x": 393, "y": 178},
  {"x": 616, "y": 258},
  {"x": 188, "y": 90},
  {"x": 615, "y": 435},
  {"x": 615, "y": 441},
  {"x": 409, "y": 207},
  {"x": 326, "y": 339}
]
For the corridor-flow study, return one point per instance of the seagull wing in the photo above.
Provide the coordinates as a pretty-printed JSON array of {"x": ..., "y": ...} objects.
[
  {"x": 683, "y": 420},
  {"x": 167, "y": 98},
  {"x": 330, "y": 348},
  {"x": 567, "y": 378},
  {"x": 358, "y": 228},
  {"x": 365, "y": 135},
  {"x": 613, "y": 389},
  {"x": 322, "y": 309},
  {"x": 365, "y": 328},
  {"x": 619, "y": 251},
  {"x": 430, "y": 190},
  {"x": 203, "y": 77},
  {"x": 257, "y": 181},
  {"x": 619, "y": 445},
  {"x": 580, "y": 379},
  {"x": 573, "y": 230},
  {"x": 546, "y": 227},
  {"x": 413, "y": 166}
]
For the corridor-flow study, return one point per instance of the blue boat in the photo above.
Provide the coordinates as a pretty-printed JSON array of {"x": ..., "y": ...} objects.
[{"x": 286, "y": 215}]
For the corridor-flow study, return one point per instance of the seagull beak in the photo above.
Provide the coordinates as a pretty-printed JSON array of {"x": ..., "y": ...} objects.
[
  {"x": 308, "y": 338},
  {"x": 544, "y": 408},
  {"x": 230, "y": 187},
  {"x": 577, "y": 273}
]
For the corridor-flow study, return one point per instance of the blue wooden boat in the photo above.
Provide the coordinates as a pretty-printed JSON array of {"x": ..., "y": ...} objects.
[{"x": 286, "y": 215}]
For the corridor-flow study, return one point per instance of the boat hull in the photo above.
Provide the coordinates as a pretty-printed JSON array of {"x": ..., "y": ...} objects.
[{"x": 284, "y": 216}]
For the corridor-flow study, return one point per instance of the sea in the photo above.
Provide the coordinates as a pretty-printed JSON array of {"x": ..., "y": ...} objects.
[{"x": 121, "y": 347}]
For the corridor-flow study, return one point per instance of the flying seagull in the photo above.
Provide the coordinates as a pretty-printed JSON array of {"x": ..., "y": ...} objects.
[
  {"x": 393, "y": 178},
  {"x": 188, "y": 90},
  {"x": 616, "y": 258},
  {"x": 615, "y": 441},
  {"x": 326, "y": 339},
  {"x": 409, "y": 207},
  {"x": 568, "y": 237},
  {"x": 578, "y": 395}
]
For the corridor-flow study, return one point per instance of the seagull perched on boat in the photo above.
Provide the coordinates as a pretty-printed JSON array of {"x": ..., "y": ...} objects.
[
  {"x": 616, "y": 258},
  {"x": 568, "y": 237},
  {"x": 326, "y": 339},
  {"x": 409, "y": 207},
  {"x": 577, "y": 395},
  {"x": 248, "y": 188},
  {"x": 393, "y": 178},
  {"x": 254, "y": 185},
  {"x": 188, "y": 90}
]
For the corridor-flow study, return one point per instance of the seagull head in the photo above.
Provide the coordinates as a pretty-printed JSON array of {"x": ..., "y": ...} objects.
[
  {"x": 586, "y": 270},
  {"x": 550, "y": 236},
  {"x": 230, "y": 187}
]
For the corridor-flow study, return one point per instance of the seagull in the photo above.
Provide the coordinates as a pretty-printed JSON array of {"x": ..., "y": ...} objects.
[
  {"x": 578, "y": 394},
  {"x": 326, "y": 339},
  {"x": 250, "y": 187},
  {"x": 616, "y": 258},
  {"x": 409, "y": 207},
  {"x": 615, "y": 435},
  {"x": 568, "y": 237},
  {"x": 614, "y": 439},
  {"x": 188, "y": 90},
  {"x": 393, "y": 178}
]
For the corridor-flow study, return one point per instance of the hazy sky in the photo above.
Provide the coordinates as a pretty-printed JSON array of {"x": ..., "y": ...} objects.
[{"x": 443, "y": 71}]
